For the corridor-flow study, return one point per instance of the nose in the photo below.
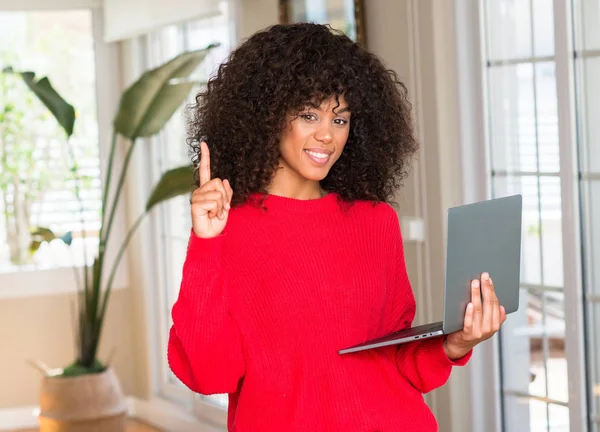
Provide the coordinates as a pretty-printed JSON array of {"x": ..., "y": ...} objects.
[{"x": 323, "y": 134}]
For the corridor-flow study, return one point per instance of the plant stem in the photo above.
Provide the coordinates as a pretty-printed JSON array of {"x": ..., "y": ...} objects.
[
  {"x": 119, "y": 189},
  {"x": 97, "y": 269},
  {"x": 107, "y": 181},
  {"x": 96, "y": 290},
  {"x": 115, "y": 265},
  {"x": 101, "y": 241}
]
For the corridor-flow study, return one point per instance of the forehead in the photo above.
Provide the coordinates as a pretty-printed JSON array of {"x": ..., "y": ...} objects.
[{"x": 332, "y": 103}]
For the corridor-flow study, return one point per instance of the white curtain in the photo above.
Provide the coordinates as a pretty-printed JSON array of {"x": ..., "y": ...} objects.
[{"x": 124, "y": 19}]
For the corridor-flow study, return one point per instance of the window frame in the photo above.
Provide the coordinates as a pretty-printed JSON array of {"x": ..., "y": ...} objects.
[
  {"x": 486, "y": 391},
  {"x": 60, "y": 280},
  {"x": 43, "y": 5},
  {"x": 158, "y": 316}
]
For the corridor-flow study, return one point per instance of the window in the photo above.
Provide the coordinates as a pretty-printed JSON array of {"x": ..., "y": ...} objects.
[
  {"x": 36, "y": 187},
  {"x": 587, "y": 76},
  {"x": 172, "y": 224},
  {"x": 529, "y": 52}
]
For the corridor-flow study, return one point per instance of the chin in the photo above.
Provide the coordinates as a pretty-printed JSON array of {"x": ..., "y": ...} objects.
[{"x": 314, "y": 175}]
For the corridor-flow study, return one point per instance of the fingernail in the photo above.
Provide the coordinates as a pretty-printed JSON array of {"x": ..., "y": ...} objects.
[
  {"x": 475, "y": 283},
  {"x": 227, "y": 206},
  {"x": 486, "y": 276}
]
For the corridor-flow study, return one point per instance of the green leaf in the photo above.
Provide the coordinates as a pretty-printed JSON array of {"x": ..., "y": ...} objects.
[
  {"x": 175, "y": 182},
  {"x": 43, "y": 234},
  {"x": 148, "y": 103},
  {"x": 34, "y": 246},
  {"x": 77, "y": 369},
  {"x": 166, "y": 103},
  {"x": 63, "y": 112}
]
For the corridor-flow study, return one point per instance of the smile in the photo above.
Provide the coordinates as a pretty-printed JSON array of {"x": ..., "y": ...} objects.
[{"x": 318, "y": 157}]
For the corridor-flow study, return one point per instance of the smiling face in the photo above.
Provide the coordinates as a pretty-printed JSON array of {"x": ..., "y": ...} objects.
[{"x": 312, "y": 143}]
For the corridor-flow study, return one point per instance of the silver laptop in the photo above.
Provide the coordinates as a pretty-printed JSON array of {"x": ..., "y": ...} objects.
[{"x": 484, "y": 236}]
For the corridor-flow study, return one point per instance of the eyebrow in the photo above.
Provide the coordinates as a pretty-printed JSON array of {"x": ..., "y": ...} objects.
[{"x": 341, "y": 111}]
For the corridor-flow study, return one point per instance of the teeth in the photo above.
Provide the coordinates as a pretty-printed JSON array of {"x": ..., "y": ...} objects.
[{"x": 318, "y": 155}]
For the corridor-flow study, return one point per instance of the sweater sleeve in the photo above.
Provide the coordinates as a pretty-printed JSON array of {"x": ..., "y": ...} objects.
[
  {"x": 423, "y": 363},
  {"x": 205, "y": 349}
]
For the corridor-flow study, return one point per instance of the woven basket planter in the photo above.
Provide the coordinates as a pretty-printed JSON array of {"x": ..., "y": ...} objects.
[{"x": 86, "y": 403}]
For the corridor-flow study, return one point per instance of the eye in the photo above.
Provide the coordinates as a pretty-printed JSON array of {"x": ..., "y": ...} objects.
[
  {"x": 308, "y": 116},
  {"x": 341, "y": 121}
]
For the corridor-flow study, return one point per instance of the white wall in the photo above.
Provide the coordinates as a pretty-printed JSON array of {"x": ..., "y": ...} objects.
[
  {"x": 255, "y": 15},
  {"x": 416, "y": 38},
  {"x": 40, "y": 328}
]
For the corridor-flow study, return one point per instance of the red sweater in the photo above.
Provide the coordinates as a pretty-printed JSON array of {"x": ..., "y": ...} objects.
[{"x": 264, "y": 308}]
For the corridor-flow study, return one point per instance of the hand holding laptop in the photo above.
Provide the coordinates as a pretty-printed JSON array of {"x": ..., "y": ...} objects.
[
  {"x": 466, "y": 321},
  {"x": 482, "y": 319}
]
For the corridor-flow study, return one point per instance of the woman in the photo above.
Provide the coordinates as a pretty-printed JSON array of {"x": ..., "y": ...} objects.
[{"x": 294, "y": 251}]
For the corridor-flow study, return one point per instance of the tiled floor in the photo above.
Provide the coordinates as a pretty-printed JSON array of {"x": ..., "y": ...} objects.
[{"x": 132, "y": 426}]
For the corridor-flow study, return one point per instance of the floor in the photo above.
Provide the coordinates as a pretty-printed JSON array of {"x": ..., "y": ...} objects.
[{"x": 132, "y": 426}]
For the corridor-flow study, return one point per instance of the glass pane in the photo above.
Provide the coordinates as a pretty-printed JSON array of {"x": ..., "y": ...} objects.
[
  {"x": 555, "y": 330},
  {"x": 517, "y": 414},
  {"x": 512, "y": 118},
  {"x": 515, "y": 130},
  {"x": 220, "y": 400},
  {"x": 531, "y": 271},
  {"x": 590, "y": 16},
  {"x": 509, "y": 29},
  {"x": 522, "y": 414},
  {"x": 543, "y": 27},
  {"x": 559, "y": 418},
  {"x": 166, "y": 43},
  {"x": 538, "y": 416},
  {"x": 199, "y": 34},
  {"x": 338, "y": 13},
  {"x": 591, "y": 237},
  {"x": 593, "y": 351},
  {"x": 521, "y": 344},
  {"x": 551, "y": 231},
  {"x": 547, "y": 117},
  {"x": 37, "y": 186},
  {"x": 589, "y": 92}
]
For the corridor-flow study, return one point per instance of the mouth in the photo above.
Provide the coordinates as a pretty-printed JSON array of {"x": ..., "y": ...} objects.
[{"x": 319, "y": 157}]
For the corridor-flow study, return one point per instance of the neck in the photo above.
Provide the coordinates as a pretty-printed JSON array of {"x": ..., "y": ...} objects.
[{"x": 293, "y": 187}]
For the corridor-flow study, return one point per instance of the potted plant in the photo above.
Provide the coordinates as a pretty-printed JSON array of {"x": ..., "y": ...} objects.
[{"x": 86, "y": 395}]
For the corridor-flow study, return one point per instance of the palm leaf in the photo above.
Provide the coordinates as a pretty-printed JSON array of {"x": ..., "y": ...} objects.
[
  {"x": 175, "y": 182},
  {"x": 150, "y": 102},
  {"x": 63, "y": 112}
]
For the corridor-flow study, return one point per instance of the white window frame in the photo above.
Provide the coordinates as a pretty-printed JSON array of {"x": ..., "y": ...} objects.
[
  {"x": 486, "y": 396},
  {"x": 157, "y": 316},
  {"x": 60, "y": 280}
]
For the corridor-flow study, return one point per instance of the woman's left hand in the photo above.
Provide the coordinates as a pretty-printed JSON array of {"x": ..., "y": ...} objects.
[{"x": 482, "y": 321}]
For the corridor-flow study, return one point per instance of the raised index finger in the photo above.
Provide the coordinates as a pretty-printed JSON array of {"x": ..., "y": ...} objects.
[{"x": 204, "y": 164}]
